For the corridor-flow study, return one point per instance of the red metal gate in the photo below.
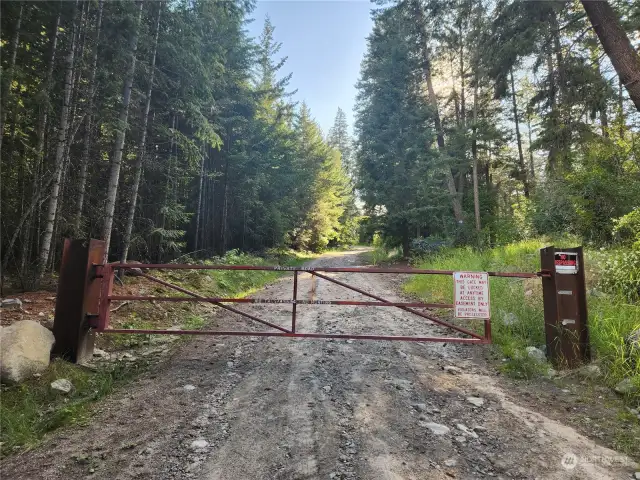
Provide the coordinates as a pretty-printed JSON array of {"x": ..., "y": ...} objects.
[
  {"x": 106, "y": 272},
  {"x": 85, "y": 293}
]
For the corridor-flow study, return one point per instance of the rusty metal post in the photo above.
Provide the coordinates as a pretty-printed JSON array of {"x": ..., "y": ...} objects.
[
  {"x": 78, "y": 297},
  {"x": 487, "y": 330},
  {"x": 565, "y": 306},
  {"x": 295, "y": 298}
]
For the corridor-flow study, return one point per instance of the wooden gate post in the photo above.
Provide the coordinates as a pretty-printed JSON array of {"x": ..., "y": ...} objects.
[
  {"x": 565, "y": 306},
  {"x": 78, "y": 295}
]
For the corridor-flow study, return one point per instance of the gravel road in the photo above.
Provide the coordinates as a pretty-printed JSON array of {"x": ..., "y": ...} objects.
[{"x": 274, "y": 408}]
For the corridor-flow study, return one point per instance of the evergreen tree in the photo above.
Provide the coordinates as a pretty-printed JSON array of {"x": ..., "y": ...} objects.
[
  {"x": 396, "y": 161},
  {"x": 340, "y": 139}
]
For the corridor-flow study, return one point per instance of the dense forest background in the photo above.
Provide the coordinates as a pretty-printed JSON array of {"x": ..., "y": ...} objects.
[
  {"x": 486, "y": 122},
  {"x": 164, "y": 129}
]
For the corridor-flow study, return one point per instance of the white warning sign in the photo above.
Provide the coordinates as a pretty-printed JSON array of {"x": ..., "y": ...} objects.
[{"x": 471, "y": 294}]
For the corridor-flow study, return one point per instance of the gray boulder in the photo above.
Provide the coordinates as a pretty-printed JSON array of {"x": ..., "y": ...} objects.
[
  {"x": 134, "y": 272},
  {"x": 25, "y": 349},
  {"x": 536, "y": 354},
  {"x": 62, "y": 385},
  {"x": 11, "y": 304},
  {"x": 591, "y": 372},
  {"x": 626, "y": 387}
]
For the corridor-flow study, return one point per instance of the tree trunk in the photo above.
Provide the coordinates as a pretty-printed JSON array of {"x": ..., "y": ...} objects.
[
  {"x": 616, "y": 45},
  {"x": 553, "y": 150},
  {"x": 451, "y": 184},
  {"x": 10, "y": 74},
  {"x": 463, "y": 120},
  {"x": 59, "y": 159},
  {"x": 474, "y": 151},
  {"x": 621, "y": 119},
  {"x": 199, "y": 209},
  {"x": 456, "y": 102},
  {"x": 116, "y": 161},
  {"x": 133, "y": 199},
  {"x": 44, "y": 113},
  {"x": 604, "y": 122},
  {"x": 406, "y": 245},
  {"x": 84, "y": 160},
  {"x": 521, "y": 165},
  {"x": 532, "y": 170}
]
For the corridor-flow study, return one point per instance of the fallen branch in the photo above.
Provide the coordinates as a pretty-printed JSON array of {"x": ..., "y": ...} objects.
[{"x": 119, "y": 307}]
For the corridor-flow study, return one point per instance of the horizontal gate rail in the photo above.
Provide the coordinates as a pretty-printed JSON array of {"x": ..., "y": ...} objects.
[
  {"x": 298, "y": 335},
  {"x": 278, "y": 301},
  {"x": 416, "y": 271}
]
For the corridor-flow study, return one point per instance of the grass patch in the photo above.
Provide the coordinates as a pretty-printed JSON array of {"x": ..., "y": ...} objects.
[
  {"x": 517, "y": 309},
  {"x": 133, "y": 322},
  {"x": 193, "y": 322},
  {"x": 31, "y": 409}
]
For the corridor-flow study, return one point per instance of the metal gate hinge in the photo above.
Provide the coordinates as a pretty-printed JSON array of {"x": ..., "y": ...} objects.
[
  {"x": 93, "y": 273},
  {"x": 92, "y": 319}
]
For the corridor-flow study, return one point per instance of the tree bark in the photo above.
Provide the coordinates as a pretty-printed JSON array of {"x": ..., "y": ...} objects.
[
  {"x": 199, "y": 209},
  {"x": 59, "y": 159},
  {"x": 521, "y": 165},
  {"x": 44, "y": 113},
  {"x": 474, "y": 152},
  {"x": 84, "y": 160},
  {"x": 616, "y": 45},
  {"x": 35, "y": 200},
  {"x": 463, "y": 120},
  {"x": 553, "y": 150},
  {"x": 532, "y": 170},
  {"x": 9, "y": 81},
  {"x": 133, "y": 199},
  {"x": 121, "y": 131}
]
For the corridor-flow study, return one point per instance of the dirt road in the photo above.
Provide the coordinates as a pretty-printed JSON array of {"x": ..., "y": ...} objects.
[{"x": 263, "y": 408}]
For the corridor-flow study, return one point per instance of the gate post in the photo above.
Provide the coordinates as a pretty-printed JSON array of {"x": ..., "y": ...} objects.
[
  {"x": 78, "y": 295},
  {"x": 565, "y": 306}
]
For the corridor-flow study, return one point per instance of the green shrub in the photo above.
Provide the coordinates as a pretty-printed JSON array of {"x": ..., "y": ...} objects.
[
  {"x": 627, "y": 229},
  {"x": 426, "y": 246},
  {"x": 552, "y": 210},
  {"x": 620, "y": 275}
]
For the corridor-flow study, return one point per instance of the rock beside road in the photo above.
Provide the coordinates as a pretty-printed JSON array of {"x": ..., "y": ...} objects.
[
  {"x": 25, "y": 349},
  {"x": 476, "y": 401},
  {"x": 452, "y": 370},
  {"x": 11, "y": 304},
  {"x": 62, "y": 385},
  {"x": 199, "y": 444},
  {"x": 436, "y": 428},
  {"x": 590, "y": 372},
  {"x": 626, "y": 387},
  {"x": 536, "y": 354}
]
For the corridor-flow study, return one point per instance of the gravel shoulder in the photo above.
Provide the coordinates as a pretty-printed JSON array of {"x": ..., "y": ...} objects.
[{"x": 273, "y": 408}]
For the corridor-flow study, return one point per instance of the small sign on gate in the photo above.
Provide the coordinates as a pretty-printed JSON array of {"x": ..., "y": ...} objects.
[
  {"x": 471, "y": 294},
  {"x": 566, "y": 262}
]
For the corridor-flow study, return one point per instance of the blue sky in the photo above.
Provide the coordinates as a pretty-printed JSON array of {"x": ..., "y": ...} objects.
[{"x": 325, "y": 42}]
